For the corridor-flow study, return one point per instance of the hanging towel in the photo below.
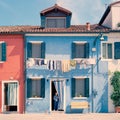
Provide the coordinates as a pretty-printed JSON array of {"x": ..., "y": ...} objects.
[
  {"x": 65, "y": 65},
  {"x": 45, "y": 62}
]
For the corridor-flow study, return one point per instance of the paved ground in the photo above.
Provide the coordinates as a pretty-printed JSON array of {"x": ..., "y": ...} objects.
[{"x": 61, "y": 116}]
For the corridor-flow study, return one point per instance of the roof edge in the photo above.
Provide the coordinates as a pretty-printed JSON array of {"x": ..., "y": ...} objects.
[
  {"x": 56, "y": 6},
  {"x": 107, "y": 12}
]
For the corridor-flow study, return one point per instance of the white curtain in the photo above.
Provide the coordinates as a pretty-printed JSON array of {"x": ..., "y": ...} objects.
[
  {"x": 59, "y": 86},
  {"x": 12, "y": 93}
]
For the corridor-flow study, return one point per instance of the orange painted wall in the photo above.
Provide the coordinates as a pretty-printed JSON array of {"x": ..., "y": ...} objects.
[{"x": 14, "y": 65}]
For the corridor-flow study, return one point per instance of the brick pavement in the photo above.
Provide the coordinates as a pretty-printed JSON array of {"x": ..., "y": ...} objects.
[{"x": 61, "y": 116}]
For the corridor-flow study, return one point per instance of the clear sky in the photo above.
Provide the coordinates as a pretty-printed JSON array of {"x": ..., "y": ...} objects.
[{"x": 27, "y": 12}]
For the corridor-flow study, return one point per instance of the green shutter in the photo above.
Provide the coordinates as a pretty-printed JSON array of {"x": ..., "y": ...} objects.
[
  {"x": 117, "y": 50},
  {"x": 43, "y": 87},
  {"x": 86, "y": 88},
  {"x": 43, "y": 50},
  {"x": 73, "y": 87},
  {"x": 29, "y": 50},
  {"x": 43, "y": 21},
  {"x": 3, "y": 51},
  {"x": 86, "y": 51},
  {"x": 29, "y": 88},
  {"x": 73, "y": 50}
]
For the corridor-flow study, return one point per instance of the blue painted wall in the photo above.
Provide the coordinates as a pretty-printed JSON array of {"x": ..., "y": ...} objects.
[{"x": 59, "y": 47}]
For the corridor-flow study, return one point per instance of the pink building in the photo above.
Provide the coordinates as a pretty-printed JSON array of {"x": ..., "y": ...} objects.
[{"x": 11, "y": 72}]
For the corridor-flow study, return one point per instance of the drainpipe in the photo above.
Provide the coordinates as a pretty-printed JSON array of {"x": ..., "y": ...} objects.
[
  {"x": 92, "y": 89},
  {"x": 24, "y": 72}
]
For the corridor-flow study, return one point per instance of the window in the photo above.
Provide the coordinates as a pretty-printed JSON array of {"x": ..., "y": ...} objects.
[
  {"x": 80, "y": 50},
  {"x": 36, "y": 88},
  {"x": 55, "y": 22},
  {"x": 80, "y": 87},
  {"x": 111, "y": 50},
  {"x": 107, "y": 50},
  {"x": 2, "y": 51},
  {"x": 36, "y": 50}
]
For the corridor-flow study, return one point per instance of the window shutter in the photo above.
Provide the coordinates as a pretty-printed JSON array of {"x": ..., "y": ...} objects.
[
  {"x": 73, "y": 50},
  {"x": 29, "y": 88},
  {"x": 3, "y": 51},
  {"x": 117, "y": 50},
  {"x": 86, "y": 50},
  {"x": 43, "y": 50},
  {"x": 86, "y": 87},
  {"x": 43, "y": 21},
  {"x": 73, "y": 87},
  {"x": 29, "y": 50},
  {"x": 43, "y": 87}
]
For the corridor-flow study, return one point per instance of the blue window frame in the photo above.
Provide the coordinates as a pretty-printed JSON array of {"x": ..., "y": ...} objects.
[
  {"x": 35, "y": 88},
  {"x": 80, "y": 50},
  {"x": 80, "y": 87},
  {"x": 36, "y": 49}
]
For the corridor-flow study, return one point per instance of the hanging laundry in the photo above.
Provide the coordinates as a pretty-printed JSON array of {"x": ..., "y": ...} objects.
[
  {"x": 31, "y": 62},
  {"x": 36, "y": 62},
  {"x": 65, "y": 65},
  {"x": 42, "y": 62},
  {"x": 45, "y": 62},
  {"x": 58, "y": 65},
  {"x": 72, "y": 63},
  {"x": 55, "y": 65},
  {"x": 51, "y": 65}
]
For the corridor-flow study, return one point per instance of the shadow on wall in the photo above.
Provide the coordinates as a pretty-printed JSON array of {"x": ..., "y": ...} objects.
[{"x": 102, "y": 104}]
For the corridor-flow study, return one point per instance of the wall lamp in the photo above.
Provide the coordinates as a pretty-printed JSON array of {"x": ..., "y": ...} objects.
[{"x": 100, "y": 36}]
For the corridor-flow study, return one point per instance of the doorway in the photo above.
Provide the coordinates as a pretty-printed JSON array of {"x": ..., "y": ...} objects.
[
  {"x": 58, "y": 86},
  {"x": 10, "y": 97}
]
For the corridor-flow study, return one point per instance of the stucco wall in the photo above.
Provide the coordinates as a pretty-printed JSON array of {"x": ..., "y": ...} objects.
[
  {"x": 108, "y": 21},
  {"x": 115, "y": 15},
  {"x": 59, "y": 48},
  {"x": 113, "y": 65},
  {"x": 13, "y": 67}
]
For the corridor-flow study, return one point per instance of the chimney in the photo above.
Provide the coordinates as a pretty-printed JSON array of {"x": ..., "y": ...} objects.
[{"x": 88, "y": 26}]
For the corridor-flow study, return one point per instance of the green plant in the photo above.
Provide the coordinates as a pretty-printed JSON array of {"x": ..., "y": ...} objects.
[
  {"x": 115, "y": 82},
  {"x": 118, "y": 24}
]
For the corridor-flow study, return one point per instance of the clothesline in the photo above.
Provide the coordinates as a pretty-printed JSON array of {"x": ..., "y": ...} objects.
[{"x": 63, "y": 65}]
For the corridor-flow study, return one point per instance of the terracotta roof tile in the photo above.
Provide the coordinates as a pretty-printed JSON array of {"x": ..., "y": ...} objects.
[
  {"x": 55, "y": 7},
  {"x": 37, "y": 29}
]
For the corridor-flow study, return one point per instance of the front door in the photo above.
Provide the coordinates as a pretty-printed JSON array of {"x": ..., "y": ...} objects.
[
  {"x": 58, "y": 86},
  {"x": 10, "y": 96}
]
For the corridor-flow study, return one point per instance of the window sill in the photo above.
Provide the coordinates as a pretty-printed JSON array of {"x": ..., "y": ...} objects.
[
  {"x": 79, "y": 98},
  {"x": 2, "y": 61},
  {"x": 81, "y": 58},
  {"x": 103, "y": 59},
  {"x": 29, "y": 58},
  {"x": 35, "y": 98}
]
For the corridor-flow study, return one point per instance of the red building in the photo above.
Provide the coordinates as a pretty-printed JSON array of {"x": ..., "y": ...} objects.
[{"x": 11, "y": 71}]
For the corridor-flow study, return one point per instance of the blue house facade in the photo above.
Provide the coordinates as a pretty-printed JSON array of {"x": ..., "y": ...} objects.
[{"x": 66, "y": 59}]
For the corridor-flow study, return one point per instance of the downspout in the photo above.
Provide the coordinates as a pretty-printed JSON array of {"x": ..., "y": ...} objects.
[
  {"x": 24, "y": 72},
  {"x": 92, "y": 89}
]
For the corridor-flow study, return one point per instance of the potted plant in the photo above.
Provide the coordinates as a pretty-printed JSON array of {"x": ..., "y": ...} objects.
[
  {"x": 118, "y": 24},
  {"x": 115, "y": 96}
]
